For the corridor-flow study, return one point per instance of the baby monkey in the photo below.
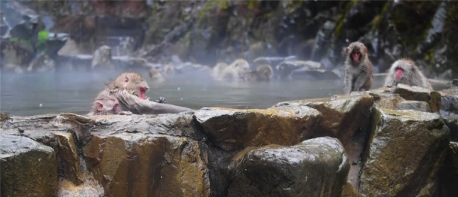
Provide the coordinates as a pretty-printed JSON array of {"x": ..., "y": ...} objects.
[
  {"x": 107, "y": 105},
  {"x": 406, "y": 72},
  {"x": 358, "y": 68}
]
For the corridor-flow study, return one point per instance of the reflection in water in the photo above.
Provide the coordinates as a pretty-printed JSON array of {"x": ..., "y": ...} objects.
[{"x": 40, "y": 93}]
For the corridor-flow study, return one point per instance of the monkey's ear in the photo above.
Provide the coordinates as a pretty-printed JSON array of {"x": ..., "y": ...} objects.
[
  {"x": 236, "y": 64},
  {"x": 99, "y": 106},
  {"x": 126, "y": 79},
  {"x": 364, "y": 49}
]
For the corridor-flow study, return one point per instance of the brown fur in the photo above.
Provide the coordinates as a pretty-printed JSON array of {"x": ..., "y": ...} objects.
[
  {"x": 358, "y": 68},
  {"x": 411, "y": 75},
  {"x": 129, "y": 81},
  {"x": 262, "y": 73}
]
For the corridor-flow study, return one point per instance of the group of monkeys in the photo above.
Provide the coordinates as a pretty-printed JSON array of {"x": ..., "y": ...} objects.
[
  {"x": 237, "y": 70},
  {"x": 359, "y": 71},
  {"x": 126, "y": 94}
]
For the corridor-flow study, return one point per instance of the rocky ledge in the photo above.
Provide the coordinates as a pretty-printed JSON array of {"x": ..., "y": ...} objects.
[{"x": 380, "y": 143}]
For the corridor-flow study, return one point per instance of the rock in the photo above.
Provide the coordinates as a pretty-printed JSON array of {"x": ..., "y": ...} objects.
[
  {"x": 27, "y": 167},
  {"x": 315, "y": 167},
  {"x": 102, "y": 58},
  {"x": 383, "y": 98},
  {"x": 286, "y": 69},
  {"x": 452, "y": 124},
  {"x": 154, "y": 165},
  {"x": 273, "y": 60},
  {"x": 416, "y": 93},
  {"x": 338, "y": 114},
  {"x": 405, "y": 152},
  {"x": 68, "y": 158},
  {"x": 349, "y": 191},
  {"x": 339, "y": 117},
  {"x": 413, "y": 105},
  {"x": 449, "y": 101},
  {"x": 454, "y": 84},
  {"x": 449, "y": 173},
  {"x": 70, "y": 48},
  {"x": 234, "y": 129}
]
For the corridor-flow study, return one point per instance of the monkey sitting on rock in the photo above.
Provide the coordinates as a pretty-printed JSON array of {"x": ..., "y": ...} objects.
[
  {"x": 358, "y": 68},
  {"x": 406, "y": 72}
]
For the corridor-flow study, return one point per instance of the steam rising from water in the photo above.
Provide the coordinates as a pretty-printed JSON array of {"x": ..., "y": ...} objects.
[{"x": 22, "y": 94}]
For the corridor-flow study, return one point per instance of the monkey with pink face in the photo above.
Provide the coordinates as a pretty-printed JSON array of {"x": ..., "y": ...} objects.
[
  {"x": 358, "y": 69},
  {"x": 406, "y": 72}
]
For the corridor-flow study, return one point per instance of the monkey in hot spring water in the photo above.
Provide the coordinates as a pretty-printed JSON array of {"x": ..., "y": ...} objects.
[
  {"x": 358, "y": 68},
  {"x": 406, "y": 72},
  {"x": 129, "y": 90}
]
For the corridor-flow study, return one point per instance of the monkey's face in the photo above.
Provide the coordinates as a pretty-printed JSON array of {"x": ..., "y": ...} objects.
[
  {"x": 402, "y": 69},
  {"x": 242, "y": 66},
  {"x": 107, "y": 106},
  {"x": 356, "y": 52},
  {"x": 133, "y": 83}
]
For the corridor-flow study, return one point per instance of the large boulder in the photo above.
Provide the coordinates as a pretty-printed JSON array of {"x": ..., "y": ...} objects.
[
  {"x": 338, "y": 114},
  {"x": 235, "y": 129},
  {"x": 70, "y": 167},
  {"x": 315, "y": 167},
  {"x": 405, "y": 152},
  {"x": 28, "y": 168},
  {"x": 134, "y": 164}
]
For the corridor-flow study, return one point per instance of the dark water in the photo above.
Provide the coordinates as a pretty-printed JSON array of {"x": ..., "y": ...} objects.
[{"x": 40, "y": 93}]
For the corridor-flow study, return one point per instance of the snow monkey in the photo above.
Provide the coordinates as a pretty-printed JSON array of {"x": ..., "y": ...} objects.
[
  {"x": 406, "y": 72},
  {"x": 358, "y": 68},
  {"x": 237, "y": 70}
]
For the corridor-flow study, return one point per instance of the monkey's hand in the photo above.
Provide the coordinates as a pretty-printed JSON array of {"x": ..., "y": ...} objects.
[
  {"x": 161, "y": 100},
  {"x": 125, "y": 113}
]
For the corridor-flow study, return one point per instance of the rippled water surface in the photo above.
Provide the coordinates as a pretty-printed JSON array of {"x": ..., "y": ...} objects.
[{"x": 38, "y": 93}]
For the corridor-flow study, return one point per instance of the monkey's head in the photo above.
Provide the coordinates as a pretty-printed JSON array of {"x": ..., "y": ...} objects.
[
  {"x": 242, "y": 66},
  {"x": 356, "y": 52},
  {"x": 403, "y": 68},
  {"x": 105, "y": 105},
  {"x": 132, "y": 82}
]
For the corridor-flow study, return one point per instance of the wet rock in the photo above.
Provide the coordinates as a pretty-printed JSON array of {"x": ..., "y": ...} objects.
[
  {"x": 338, "y": 115},
  {"x": 455, "y": 84},
  {"x": 449, "y": 173},
  {"x": 27, "y": 167},
  {"x": 272, "y": 60},
  {"x": 449, "y": 101},
  {"x": 68, "y": 158},
  {"x": 148, "y": 165},
  {"x": 383, "y": 98},
  {"x": 286, "y": 69},
  {"x": 349, "y": 191},
  {"x": 234, "y": 129},
  {"x": 452, "y": 124},
  {"x": 413, "y": 105},
  {"x": 416, "y": 93},
  {"x": 315, "y": 167},
  {"x": 102, "y": 58},
  {"x": 405, "y": 153}
]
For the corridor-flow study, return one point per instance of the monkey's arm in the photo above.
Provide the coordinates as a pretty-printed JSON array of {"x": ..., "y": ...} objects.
[
  {"x": 140, "y": 106},
  {"x": 360, "y": 81}
]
